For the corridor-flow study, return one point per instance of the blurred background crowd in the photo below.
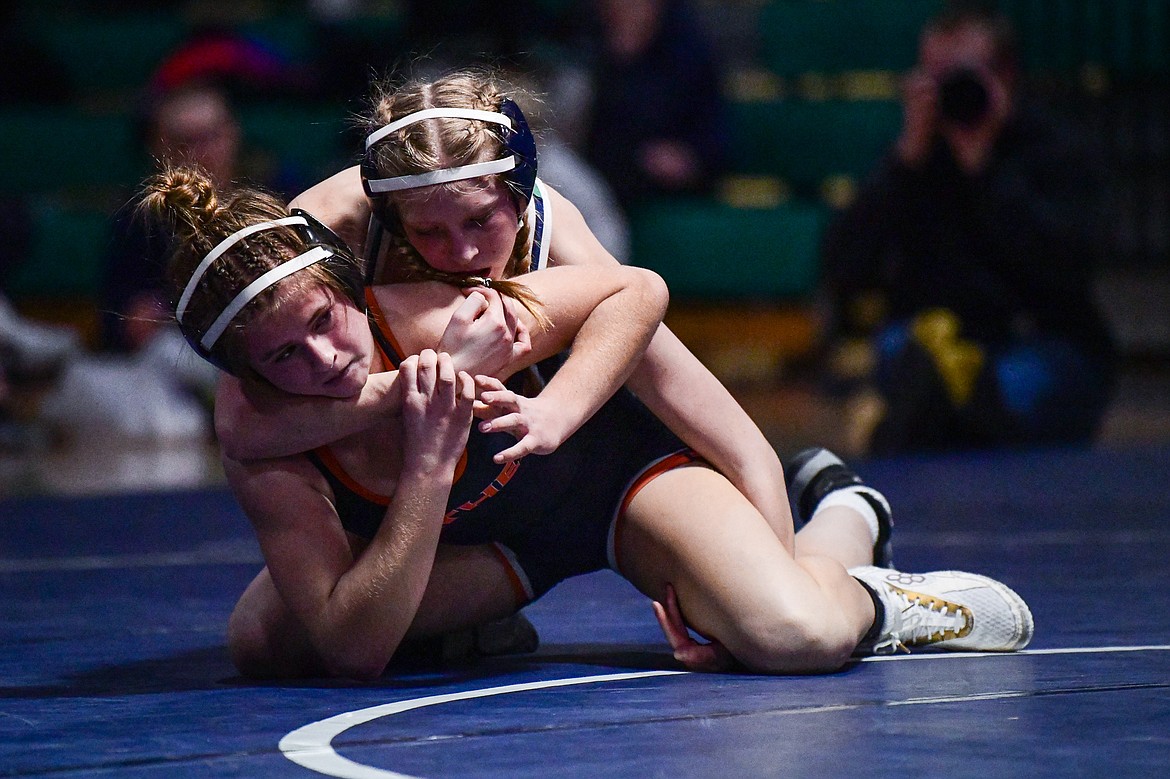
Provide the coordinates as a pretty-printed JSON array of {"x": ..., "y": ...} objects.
[{"x": 887, "y": 230}]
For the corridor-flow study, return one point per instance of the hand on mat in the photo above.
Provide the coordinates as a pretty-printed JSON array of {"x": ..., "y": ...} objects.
[
  {"x": 537, "y": 427},
  {"x": 484, "y": 335},
  {"x": 706, "y": 658}
]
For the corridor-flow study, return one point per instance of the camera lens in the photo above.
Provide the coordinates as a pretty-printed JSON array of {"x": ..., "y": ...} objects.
[{"x": 963, "y": 99}]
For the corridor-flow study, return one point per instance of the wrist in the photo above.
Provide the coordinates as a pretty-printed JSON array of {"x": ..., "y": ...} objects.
[{"x": 433, "y": 469}]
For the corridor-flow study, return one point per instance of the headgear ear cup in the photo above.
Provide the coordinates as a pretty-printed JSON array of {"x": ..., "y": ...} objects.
[
  {"x": 520, "y": 141},
  {"x": 343, "y": 263}
]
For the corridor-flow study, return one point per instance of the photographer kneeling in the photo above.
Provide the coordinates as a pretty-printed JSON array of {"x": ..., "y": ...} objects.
[{"x": 968, "y": 258}]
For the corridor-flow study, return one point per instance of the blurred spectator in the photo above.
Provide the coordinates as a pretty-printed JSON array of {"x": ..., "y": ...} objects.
[
  {"x": 187, "y": 113},
  {"x": 968, "y": 258},
  {"x": 31, "y": 352},
  {"x": 193, "y": 123},
  {"x": 656, "y": 124},
  {"x": 149, "y": 383},
  {"x": 247, "y": 66}
]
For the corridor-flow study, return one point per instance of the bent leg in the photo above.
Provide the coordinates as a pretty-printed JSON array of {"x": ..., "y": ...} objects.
[
  {"x": 735, "y": 581},
  {"x": 468, "y": 586}
]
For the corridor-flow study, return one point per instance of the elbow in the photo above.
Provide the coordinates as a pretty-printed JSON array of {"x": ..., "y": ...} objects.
[{"x": 655, "y": 291}]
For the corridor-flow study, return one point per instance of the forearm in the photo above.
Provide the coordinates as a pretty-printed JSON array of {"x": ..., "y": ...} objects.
[
  {"x": 374, "y": 603},
  {"x": 253, "y": 425},
  {"x": 688, "y": 398},
  {"x": 599, "y": 363}
]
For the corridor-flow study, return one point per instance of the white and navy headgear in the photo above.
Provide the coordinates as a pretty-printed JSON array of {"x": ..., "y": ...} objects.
[
  {"x": 323, "y": 244},
  {"x": 518, "y": 165}
]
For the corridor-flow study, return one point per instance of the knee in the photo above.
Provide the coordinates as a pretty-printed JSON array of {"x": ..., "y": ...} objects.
[
  {"x": 258, "y": 650},
  {"x": 800, "y": 642},
  {"x": 248, "y": 647}
]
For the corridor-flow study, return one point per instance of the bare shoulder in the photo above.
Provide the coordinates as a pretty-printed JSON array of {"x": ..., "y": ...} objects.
[
  {"x": 417, "y": 313},
  {"x": 573, "y": 243},
  {"x": 340, "y": 202}
]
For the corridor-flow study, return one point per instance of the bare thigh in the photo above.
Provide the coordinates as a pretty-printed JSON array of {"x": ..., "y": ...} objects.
[
  {"x": 468, "y": 586},
  {"x": 736, "y": 582}
]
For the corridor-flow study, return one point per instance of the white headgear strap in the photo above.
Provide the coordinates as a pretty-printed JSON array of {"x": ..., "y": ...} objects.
[
  {"x": 218, "y": 252},
  {"x": 263, "y": 282},
  {"x": 446, "y": 175}
]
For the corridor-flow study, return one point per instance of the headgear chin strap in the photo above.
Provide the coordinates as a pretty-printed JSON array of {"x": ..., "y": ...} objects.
[{"x": 518, "y": 167}]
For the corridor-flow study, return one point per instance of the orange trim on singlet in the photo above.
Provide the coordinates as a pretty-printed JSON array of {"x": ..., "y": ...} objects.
[
  {"x": 490, "y": 491},
  {"x": 337, "y": 469},
  {"x": 518, "y": 588},
  {"x": 375, "y": 310},
  {"x": 380, "y": 322},
  {"x": 668, "y": 463}
]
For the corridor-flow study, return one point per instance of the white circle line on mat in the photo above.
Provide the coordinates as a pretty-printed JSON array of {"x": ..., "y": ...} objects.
[{"x": 311, "y": 746}]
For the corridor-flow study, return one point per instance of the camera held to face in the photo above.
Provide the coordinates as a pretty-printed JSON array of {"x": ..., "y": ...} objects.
[{"x": 963, "y": 97}]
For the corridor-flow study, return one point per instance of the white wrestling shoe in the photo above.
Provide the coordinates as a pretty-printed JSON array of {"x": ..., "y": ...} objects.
[{"x": 951, "y": 610}]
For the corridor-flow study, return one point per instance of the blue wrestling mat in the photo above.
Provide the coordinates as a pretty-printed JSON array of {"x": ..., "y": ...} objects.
[{"x": 112, "y": 662}]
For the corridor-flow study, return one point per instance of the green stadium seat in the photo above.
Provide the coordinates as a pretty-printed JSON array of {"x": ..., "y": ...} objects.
[
  {"x": 833, "y": 36},
  {"x": 1125, "y": 38},
  {"x": 707, "y": 250},
  {"x": 68, "y": 253},
  {"x": 64, "y": 150},
  {"x": 110, "y": 52},
  {"x": 315, "y": 139},
  {"x": 806, "y": 143}
]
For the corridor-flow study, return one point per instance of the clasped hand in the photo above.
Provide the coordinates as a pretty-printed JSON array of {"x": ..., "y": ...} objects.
[{"x": 484, "y": 336}]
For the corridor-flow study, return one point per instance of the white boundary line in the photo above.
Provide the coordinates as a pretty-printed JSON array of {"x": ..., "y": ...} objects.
[{"x": 311, "y": 746}]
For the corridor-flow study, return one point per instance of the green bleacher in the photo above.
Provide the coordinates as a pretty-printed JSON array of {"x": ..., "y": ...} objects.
[
  {"x": 75, "y": 164},
  {"x": 807, "y": 143},
  {"x": 833, "y": 36},
  {"x": 69, "y": 244},
  {"x": 827, "y": 121},
  {"x": 708, "y": 250},
  {"x": 829, "y": 114}
]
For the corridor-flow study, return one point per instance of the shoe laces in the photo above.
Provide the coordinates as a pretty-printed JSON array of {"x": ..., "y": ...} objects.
[{"x": 922, "y": 619}]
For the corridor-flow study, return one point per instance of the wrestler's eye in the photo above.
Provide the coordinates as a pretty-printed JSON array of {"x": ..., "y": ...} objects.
[
  {"x": 283, "y": 354},
  {"x": 324, "y": 320}
]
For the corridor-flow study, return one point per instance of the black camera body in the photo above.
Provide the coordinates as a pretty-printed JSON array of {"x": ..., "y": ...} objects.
[{"x": 963, "y": 97}]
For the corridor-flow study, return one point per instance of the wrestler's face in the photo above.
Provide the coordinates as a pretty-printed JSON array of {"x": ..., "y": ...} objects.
[
  {"x": 469, "y": 230},
  {"x": 315, "y": 342}
]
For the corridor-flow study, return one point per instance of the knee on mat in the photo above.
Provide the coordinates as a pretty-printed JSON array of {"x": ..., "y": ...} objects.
[
  {"x": 794, "y": 644},
  {"x": 252, "y": 652}
]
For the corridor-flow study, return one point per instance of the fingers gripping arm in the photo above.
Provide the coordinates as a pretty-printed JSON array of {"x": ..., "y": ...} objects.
[
  {"x": 253, "y": 422},
  {"x": 613, "y": 314}
]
